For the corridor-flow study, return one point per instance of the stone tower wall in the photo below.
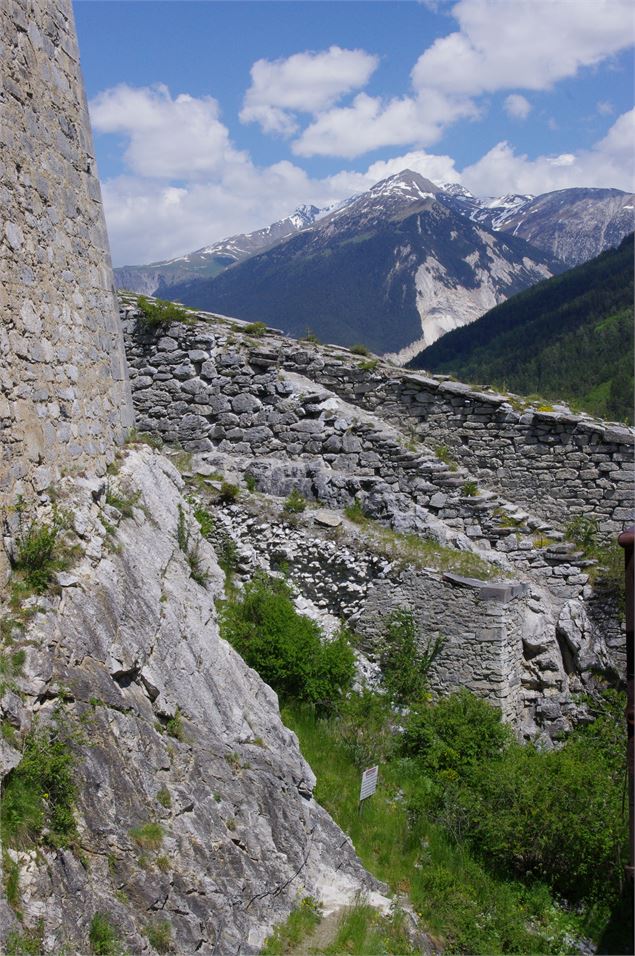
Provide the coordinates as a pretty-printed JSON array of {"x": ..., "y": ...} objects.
[{"x": 64, "y": 394}]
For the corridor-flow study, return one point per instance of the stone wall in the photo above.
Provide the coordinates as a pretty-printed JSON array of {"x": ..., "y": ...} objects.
[{"x": 64, "y": 395}]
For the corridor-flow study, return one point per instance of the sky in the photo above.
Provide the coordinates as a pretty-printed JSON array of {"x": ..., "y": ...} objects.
[{"x": 215, "y": 117}]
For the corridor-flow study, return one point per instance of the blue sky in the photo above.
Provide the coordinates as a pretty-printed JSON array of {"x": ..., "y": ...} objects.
[{"x": 219, "y": 116}]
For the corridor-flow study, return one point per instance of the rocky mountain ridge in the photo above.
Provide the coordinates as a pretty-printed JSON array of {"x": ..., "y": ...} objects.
[{"x": 394, "y": 269}]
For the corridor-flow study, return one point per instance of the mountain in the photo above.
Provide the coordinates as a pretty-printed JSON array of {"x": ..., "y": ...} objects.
[
  {"x": 394, "y": 268},
  {"x": 571, "y": 224},
  {"x": 570, "y": 337},
  {"x": 157, "y": 278}
]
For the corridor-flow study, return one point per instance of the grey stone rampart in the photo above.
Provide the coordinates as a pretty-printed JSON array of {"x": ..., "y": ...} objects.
[{"x": 64, "y": 395}]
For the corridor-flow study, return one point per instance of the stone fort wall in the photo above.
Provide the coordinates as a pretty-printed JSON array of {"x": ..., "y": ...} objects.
[{"x": 64, "y": 393}]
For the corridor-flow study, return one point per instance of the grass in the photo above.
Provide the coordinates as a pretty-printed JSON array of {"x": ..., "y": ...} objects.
[
  {"x": 39, "y": 794},
  {"x": 164, "y": 798},
  {"x": 26, "y": 943},
  {"x": 457, "y": 899},
  {"x": 412, "y": 550},
  {"x": 300, "y": 923},
  {"x": 228, "y": 493},
  {"x": 102, "y": 937},
  {"x": 364, "y": 931},
  {"x": 148, "y": 836},
  {"x": 470, "y": 489},
  {"x": 122, "y": 502},
  {"x": 443, "y": 454},
  {"x": 258, "y": 329},
  {"x": 39, "y": 554},
  {"x": 160, "y": 936},
  {"x": 174, "y": 726},
  {"x": 355, "y": 513},
  {"x": 359, "y": 349},
  {"x": 295, "y": 503},
  {"x": 369, "y": 365}
]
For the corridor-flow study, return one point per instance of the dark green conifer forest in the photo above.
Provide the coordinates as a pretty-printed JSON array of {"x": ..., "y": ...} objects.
[{"x": 569, "y": 338}]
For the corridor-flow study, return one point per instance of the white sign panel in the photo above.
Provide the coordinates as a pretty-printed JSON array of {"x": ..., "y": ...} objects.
[{"x": 369, "y": 783}]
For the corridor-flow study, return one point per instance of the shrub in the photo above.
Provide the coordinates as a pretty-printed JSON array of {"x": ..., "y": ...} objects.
[
  {"x": 102, "y": 937},
  {"x": 227, "y": 553},
  {"x": 283, "y": 646},
  {"x": 295, "y": 503},
  {"x": 250, "y": 483},
  {"x": 470, "y": 489},
  {"x": 160, "y": 312},
  {"x": 359, "y": 349},
  {"x": 160, "y": 936},
  {"x": 174, "y": 726},
  {"x": 38, "y": 555},
  {"x": 459, "y": 731},
  {"x": 404, "y": 665},
  {"x": 369, "y": 365},
  {"x": 257, "y": 329},
  {"x": 365, "y": 725},
  {"x": 40, "y": 792},
  {"x": 228, "y": 493}
]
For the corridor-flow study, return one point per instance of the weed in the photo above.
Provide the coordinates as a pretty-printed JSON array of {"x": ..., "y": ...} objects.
[
  {"x": 369, "y": 365},
  {"x": 8, "y": 733},
  {"x": 164, "y": 798},
  {"x": 359, "y": 349},
  {"x": 228, "y": 493},
  {"x": 233, "y": 760},
  {"x": 470, "y": 489},
  {"x": 287, "y": 936},
  {"x": 160, "y": 313},
  {"x": 135, "y": 437},
  {"x": 191, "y": 552},
  {"x": 160, "y": 936},
  {"x": 230, "y": 824},
  {"x": 11, "y": 881},
  {"x": 148, "y": 836},
  {"x": 39, "y": 794},
  {"x": 174, "y": 726},
  {"x": 258, "y": 329},
  {"x": 102, "y": 937},
  {"x": 443, "y": 454},
  {"x": 27, "y": 943},
  {"x": 405, "y": 666},
  {"x": 183, "y": 461},
  {"x": 355, "y": 513},
  {"x": 310, "y": 337},
  {"x": 122, "y": 502},
  {"x": 205, "y": 522},
  {"x": 295, "y": 503},
  {"x": 250, "y": 483},
  {"x": 227, "y": 552},
  {"x": 163, "y": 863},
  {"x": 11, "y": 664},
  {"x": 541, "y": 541}
]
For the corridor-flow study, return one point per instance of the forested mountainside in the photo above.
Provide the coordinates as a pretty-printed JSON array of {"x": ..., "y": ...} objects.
[{"x": 569, "y": 337}]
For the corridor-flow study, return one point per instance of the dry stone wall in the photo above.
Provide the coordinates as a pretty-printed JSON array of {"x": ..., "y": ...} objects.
[{"x": 64, "y": 395}]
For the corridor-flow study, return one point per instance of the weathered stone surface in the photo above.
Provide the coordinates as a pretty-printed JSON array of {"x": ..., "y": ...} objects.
[{"x": 134, "y": 642}]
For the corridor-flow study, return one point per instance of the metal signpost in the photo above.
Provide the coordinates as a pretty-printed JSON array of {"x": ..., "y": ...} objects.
[{"x": 369, "y": 785}]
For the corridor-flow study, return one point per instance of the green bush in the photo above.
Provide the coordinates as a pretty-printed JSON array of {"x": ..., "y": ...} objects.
[
  {"x": 553, "y": 816},
  {"x": 39, "y": 794},
  {"x": 38, "y": 554},
  {"x": 283, "y": 646},
  {"x": 470, "y": 489},
  {"x": 102, "y": 937},
  {"x": 404, "y": 665},
  {"x": 295, "y": 503},
  {"x": 457, "y": 732},
  {"x": 160, "y": 312}
]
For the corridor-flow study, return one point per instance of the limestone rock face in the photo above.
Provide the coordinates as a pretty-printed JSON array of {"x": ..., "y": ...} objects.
[{"x": 130, "y": 652}]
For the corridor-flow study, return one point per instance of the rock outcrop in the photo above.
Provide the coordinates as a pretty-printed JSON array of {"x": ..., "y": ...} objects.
[{"x": 169, "y": 728}]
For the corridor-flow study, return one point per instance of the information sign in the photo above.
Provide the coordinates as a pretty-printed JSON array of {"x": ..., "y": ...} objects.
[{"x": 369, "y": 783}]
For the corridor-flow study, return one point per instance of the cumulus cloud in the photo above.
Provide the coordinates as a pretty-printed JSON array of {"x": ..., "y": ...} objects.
[
  {"x": 609, "y": 163},
  {"x": 517, "y": 106},
  {"x": 303, "y": 83},
  {"x": 527, "y": 44},
  {"x": 168, "y": 136},
  {"x": 370, "y": 123}
]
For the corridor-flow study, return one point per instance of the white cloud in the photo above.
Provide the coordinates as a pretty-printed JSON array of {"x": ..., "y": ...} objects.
[
  {"x": 605, "y": 108},
  {"x": 609, "y": 163},
  {"x": 303, "y": 83},
  {"x": 168, "y": 137},
  {"x": 370, "y": 123},
  {"x": 517, "y": 106},
  {"x": 527, "y": 44}
]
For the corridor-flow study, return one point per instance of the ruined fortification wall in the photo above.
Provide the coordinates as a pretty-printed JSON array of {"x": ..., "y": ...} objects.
[{"x": 64, "y": 395}]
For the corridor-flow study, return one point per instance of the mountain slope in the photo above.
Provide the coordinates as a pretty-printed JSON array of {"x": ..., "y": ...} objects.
[
  {"x": 570, "y": 337},
  {"x": 394, "y": 269},
  {"x": 571, "y": 224},
  {"x": 157, "y": 278}
]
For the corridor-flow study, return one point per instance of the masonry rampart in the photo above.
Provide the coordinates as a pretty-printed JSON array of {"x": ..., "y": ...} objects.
[{"x": 64, "y": 394}]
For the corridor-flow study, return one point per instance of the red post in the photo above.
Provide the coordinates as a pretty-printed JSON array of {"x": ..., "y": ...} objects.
[{"x": 626, "y": 540}]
